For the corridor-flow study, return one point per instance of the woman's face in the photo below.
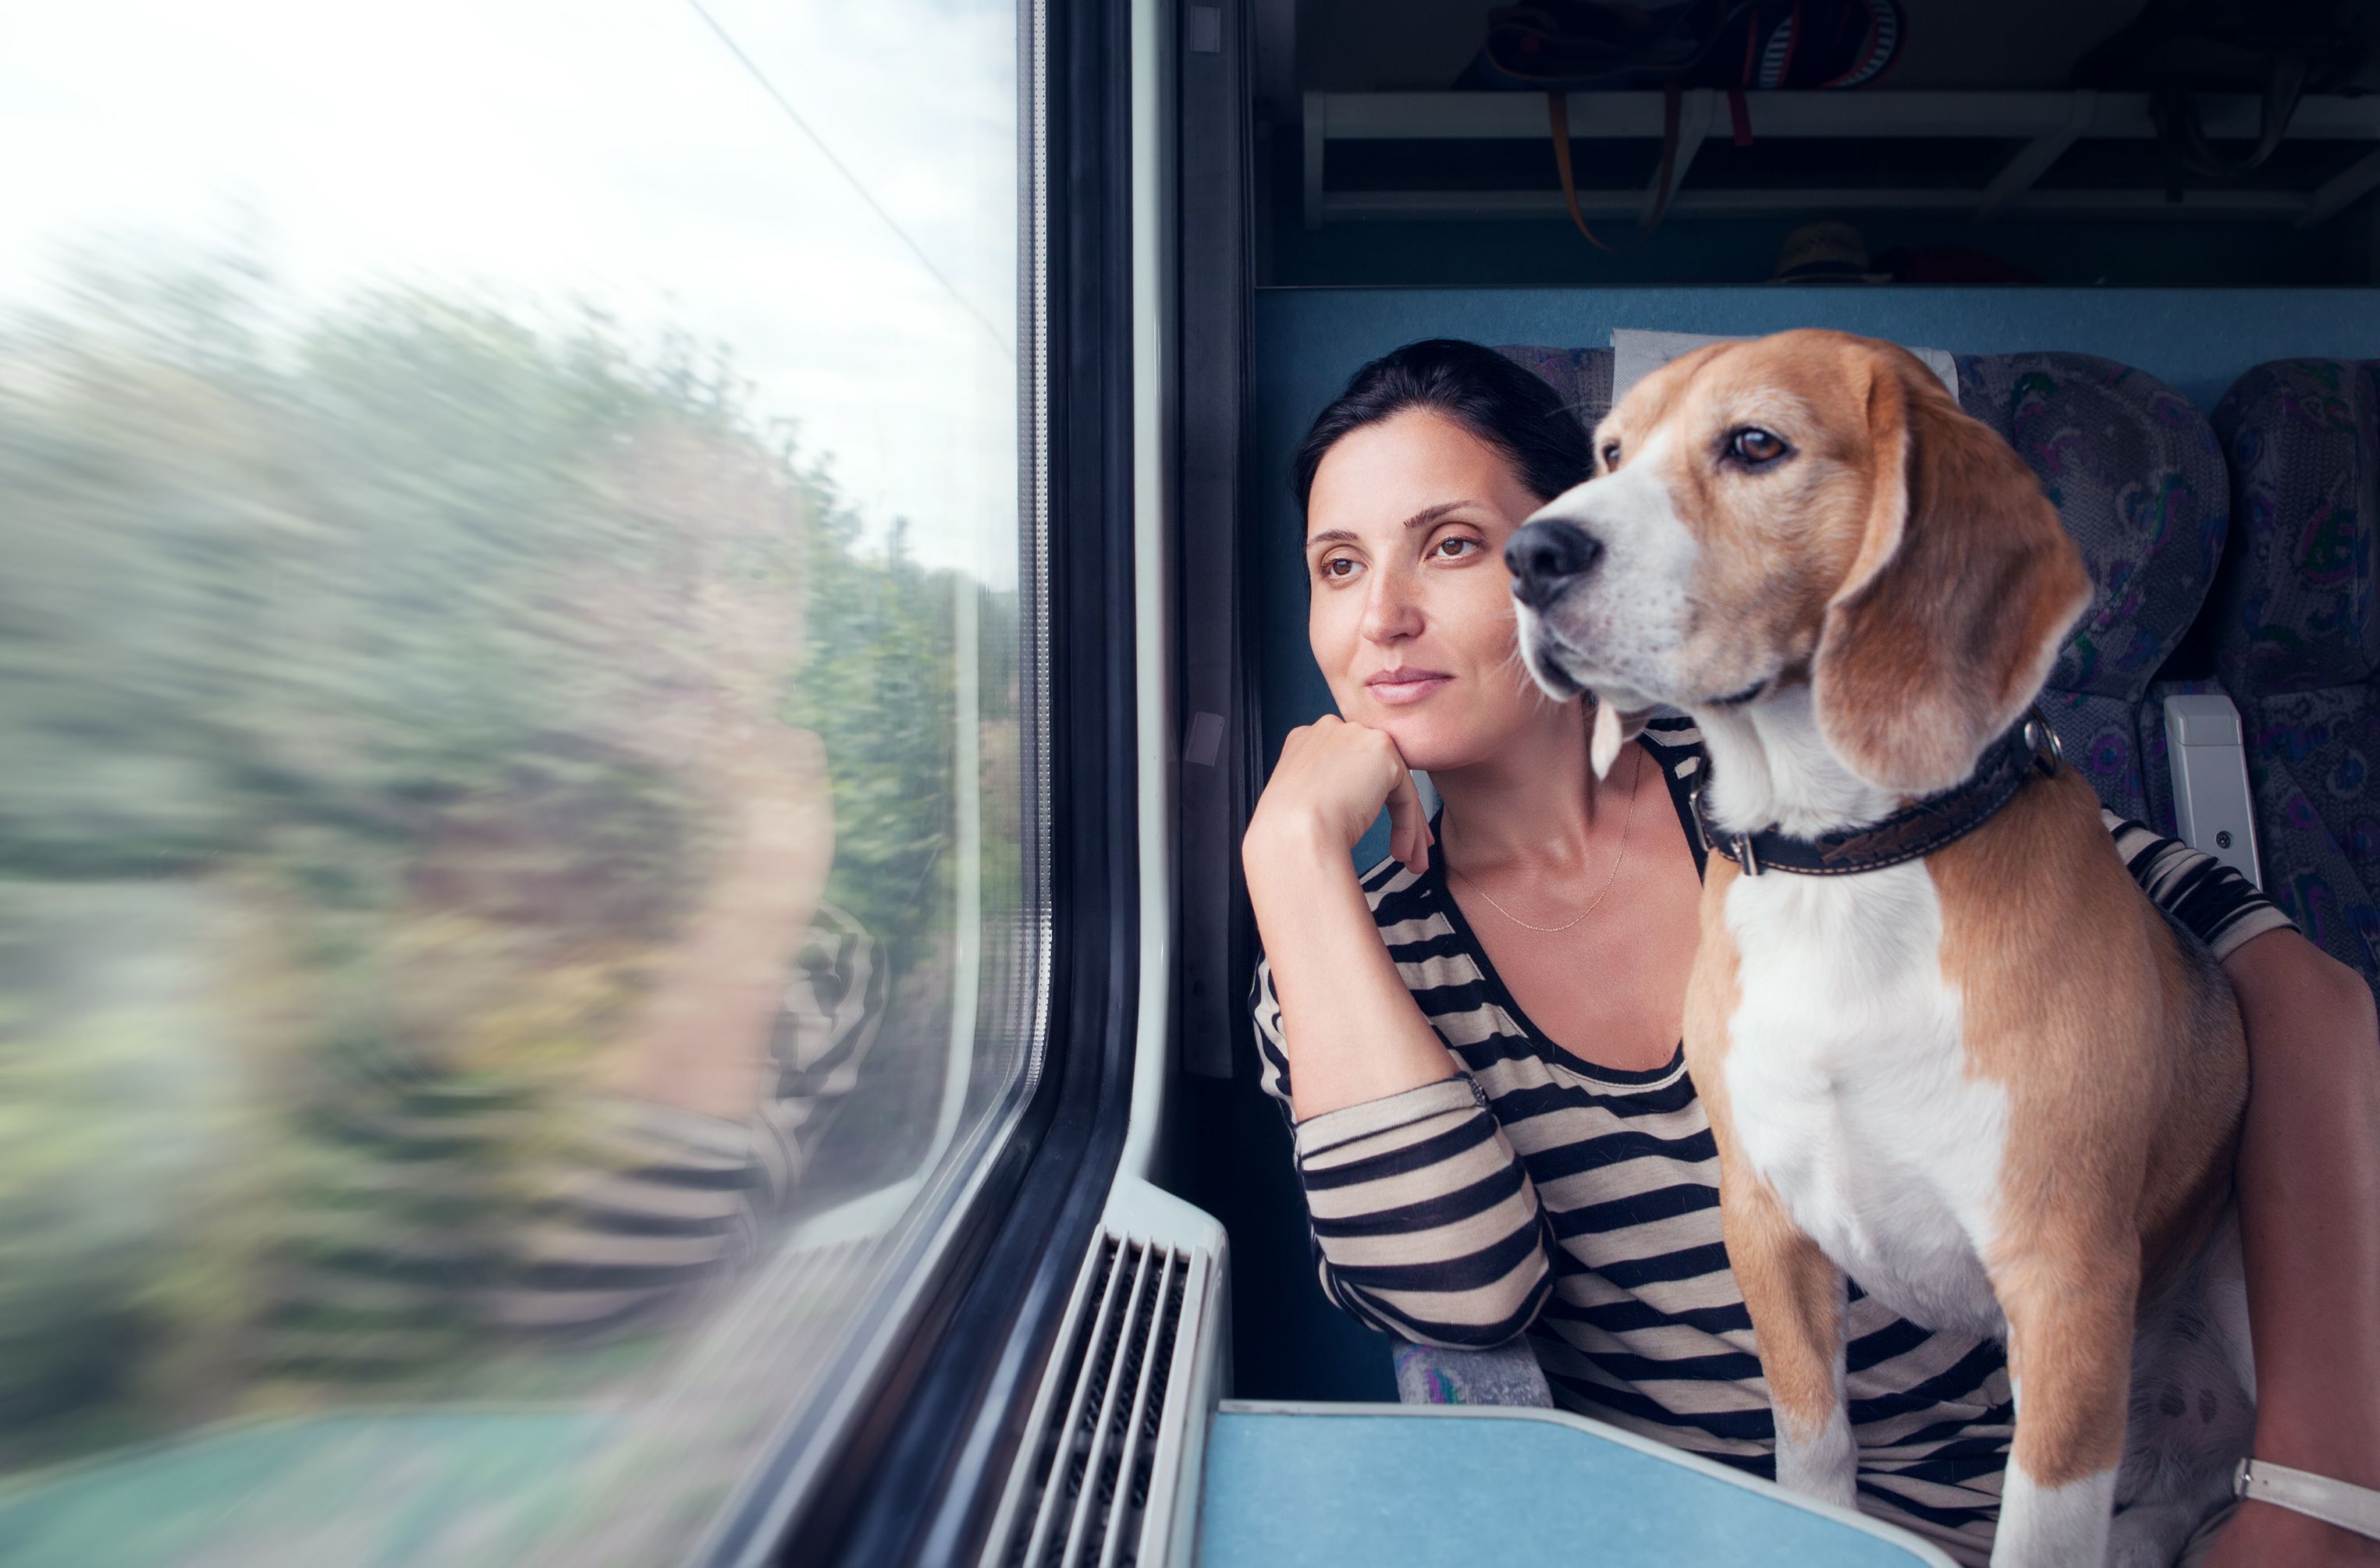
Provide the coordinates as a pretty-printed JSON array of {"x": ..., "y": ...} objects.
[{"x": 1411, "y": 610}]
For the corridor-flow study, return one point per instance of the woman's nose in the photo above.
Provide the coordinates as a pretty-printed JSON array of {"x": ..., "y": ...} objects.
[{"x": 1389, "y": 615}]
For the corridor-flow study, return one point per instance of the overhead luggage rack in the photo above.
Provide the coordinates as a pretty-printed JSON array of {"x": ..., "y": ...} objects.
[{"x": 2041, "y": 128}]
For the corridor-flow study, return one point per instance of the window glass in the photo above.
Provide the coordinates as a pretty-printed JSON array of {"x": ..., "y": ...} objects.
[{"x": 517, "y": 908}]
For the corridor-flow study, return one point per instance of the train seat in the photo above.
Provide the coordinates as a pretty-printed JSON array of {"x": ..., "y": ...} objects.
[{"x": 2295, "y": 617}]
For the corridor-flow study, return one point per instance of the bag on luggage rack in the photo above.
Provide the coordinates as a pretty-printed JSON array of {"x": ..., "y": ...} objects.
[
  {"x": 1558, "y": 47},
  {"x": 1762, "y": 45},
  {"x": 2280, "y": 49}
]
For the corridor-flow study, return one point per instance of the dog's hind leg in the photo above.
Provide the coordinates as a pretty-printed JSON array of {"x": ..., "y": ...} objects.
[
  {"x": 2070, "y": 1303},
  {"x": 2192, "y": 1418}
]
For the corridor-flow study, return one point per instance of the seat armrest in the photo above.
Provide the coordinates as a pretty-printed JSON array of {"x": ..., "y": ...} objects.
[{"x": 2211, "y": 808}]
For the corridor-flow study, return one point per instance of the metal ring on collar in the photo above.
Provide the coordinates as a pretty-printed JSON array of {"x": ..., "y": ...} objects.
[{"x": 2041, "y": 738}]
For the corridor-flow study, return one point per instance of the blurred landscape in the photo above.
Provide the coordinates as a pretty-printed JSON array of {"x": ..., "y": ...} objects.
[{"x": 429, "y": 730}]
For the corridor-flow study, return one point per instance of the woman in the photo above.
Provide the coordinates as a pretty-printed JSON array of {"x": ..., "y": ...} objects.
[{"x": 1477, "y": 1040}]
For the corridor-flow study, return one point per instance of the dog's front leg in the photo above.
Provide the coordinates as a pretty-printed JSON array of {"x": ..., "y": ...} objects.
[
  {"x": 2070, "y": 1304},
  {"x": 1796, "y": 1296}
]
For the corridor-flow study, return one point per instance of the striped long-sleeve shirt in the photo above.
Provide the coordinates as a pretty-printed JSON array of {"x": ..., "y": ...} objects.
[{"x": 1533, "y": 1191}]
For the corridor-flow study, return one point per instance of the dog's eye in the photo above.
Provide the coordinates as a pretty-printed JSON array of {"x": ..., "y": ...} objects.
[
  {"x": 1756, "y": 446},
  {"x": 1610, "y": 454}
]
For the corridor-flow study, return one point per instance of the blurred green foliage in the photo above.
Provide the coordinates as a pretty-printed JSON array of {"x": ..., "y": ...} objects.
[{"x": 360, "y": 676}]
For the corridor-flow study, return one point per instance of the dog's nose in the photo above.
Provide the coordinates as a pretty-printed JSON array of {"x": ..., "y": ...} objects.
[{"x": 1546, "y": 555}]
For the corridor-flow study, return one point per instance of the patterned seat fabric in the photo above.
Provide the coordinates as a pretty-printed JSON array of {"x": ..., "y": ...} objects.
[
  {"x": 2138, "y": 477},
  {"x": 2296, "y": 637}
]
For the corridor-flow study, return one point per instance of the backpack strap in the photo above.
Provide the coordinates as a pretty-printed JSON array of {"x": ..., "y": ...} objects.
[{"x": 1558, "y": 120}]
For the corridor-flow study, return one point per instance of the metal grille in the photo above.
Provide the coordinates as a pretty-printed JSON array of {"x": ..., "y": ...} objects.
[{"x": 1086, "y": 1486}]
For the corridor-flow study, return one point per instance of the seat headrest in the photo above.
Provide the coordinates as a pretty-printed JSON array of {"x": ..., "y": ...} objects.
[
  {"x": 2137, "y": 477},
  {"x": 1582, "y": 376},
  {"x": 2296, "y": 608}
]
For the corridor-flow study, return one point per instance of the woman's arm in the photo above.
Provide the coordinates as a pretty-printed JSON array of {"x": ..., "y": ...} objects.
[
  {"x": 2310, "y": 1227},
  {"x": 1358, "y": 1036},
  {"x": 2309, "y": 1191},
  {"x": 1425, "y": 1224}
]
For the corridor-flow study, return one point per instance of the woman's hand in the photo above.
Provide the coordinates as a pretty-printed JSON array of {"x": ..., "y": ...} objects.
[{"x": 1327, "y": 790}]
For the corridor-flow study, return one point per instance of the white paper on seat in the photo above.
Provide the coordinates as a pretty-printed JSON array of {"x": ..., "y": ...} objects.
[{"x": 1636, "y": 354}]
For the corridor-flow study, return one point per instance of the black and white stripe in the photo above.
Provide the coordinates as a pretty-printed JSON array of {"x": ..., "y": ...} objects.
[{"x": 1533, "y": 1191}]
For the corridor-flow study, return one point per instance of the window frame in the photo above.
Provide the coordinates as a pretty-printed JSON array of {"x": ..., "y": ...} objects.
[
  {"x": 1220, "y": 773},
  {"x": 914, "y": 1474}
]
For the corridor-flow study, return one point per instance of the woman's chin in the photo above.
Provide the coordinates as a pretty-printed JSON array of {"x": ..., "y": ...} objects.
[{"x": 1430, "y": 742}]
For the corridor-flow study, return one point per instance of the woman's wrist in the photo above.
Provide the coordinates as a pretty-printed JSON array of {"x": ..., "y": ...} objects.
[{"x": 1290, "y": 841}]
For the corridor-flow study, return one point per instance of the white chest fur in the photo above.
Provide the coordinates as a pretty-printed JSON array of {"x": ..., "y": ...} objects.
[{"x": 1849, "y": 1090}]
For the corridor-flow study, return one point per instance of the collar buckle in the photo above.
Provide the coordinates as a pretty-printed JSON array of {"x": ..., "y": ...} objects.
[
  {"x": 1738, "y": 847},
  {"x": 2042, "y": 740}
]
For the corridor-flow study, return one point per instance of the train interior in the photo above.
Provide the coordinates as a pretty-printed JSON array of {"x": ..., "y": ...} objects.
[
  {"x": 639, "y": 640},
  {"x": 2133, "y": 336},
  {"x": 2133, "y": 328}
]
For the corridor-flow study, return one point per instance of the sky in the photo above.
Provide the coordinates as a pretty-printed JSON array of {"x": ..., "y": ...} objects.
[{"x": 538, "y": 153}]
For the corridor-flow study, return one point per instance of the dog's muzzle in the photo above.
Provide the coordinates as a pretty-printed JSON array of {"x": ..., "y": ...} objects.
[{"x": 1548, "y": 555}]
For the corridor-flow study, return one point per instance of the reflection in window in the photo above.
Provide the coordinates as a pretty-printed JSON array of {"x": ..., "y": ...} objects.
[{"x": 513, "y": 874}]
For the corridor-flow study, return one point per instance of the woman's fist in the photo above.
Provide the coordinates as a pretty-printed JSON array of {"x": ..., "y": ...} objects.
[{"x": 1328, "y": 788}]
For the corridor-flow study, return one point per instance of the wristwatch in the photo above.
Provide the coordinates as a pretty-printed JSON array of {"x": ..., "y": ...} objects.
[{"x": 2342, "y": 1503}]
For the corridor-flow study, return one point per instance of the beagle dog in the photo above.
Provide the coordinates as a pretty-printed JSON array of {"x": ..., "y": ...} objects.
[{"x": 1946, "y": 1045}]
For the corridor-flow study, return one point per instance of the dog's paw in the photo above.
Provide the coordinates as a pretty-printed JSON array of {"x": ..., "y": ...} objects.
[
  {"x": 1826, "y": 1468},
  {"x": 2148, "y": 1535}
]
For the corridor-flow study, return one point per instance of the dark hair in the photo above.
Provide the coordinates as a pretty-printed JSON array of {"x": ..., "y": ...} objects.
[{"x": 1504, "y": 403}]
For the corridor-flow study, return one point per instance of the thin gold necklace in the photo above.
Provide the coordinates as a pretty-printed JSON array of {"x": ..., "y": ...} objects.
[{"x": 1635, "y": 788}]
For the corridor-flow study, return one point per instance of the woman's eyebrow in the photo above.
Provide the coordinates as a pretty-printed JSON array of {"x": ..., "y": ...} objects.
[
  {"x": 1427, "y": 515},
  {"x": 1432, "y": 513}
]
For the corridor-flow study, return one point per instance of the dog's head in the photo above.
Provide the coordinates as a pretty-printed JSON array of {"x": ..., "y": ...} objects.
[{"x": 1808, "y": 507}]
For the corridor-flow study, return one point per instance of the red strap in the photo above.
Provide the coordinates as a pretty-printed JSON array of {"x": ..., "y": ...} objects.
[
  {"x": 1558, "y": 118},
  {"x": 1739, "y": 116}
]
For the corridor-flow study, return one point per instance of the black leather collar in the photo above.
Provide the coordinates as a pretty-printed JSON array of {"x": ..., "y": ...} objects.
[{"x": 1911, "y": 833}]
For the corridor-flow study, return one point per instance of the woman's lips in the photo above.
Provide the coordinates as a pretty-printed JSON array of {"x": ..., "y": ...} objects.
[{"x": 1399, "y": 687}]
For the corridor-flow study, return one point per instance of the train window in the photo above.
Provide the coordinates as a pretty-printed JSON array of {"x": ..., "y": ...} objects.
[{"x": 520, "y": 919}]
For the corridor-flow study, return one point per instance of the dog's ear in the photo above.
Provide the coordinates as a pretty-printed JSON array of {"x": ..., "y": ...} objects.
[{"x": 1961, "y": 593}]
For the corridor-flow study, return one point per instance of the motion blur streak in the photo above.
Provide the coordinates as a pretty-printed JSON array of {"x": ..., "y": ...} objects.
[{"x": 513, "y": 917}]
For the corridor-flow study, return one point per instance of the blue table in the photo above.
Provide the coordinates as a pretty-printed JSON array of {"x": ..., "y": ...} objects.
[{"x": 1373, "y": 1486}]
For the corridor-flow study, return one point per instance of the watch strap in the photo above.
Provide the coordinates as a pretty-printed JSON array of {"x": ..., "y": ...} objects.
[{"x": 2342, "y": 1503}]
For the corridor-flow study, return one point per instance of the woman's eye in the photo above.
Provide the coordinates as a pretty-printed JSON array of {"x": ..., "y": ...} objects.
[
  {"x": 1756, "y": 446},
  {"x": 1610, "y": 454},
  {"x": 1339, "y": 566},
  {"x": 1456, "y": 549}
]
